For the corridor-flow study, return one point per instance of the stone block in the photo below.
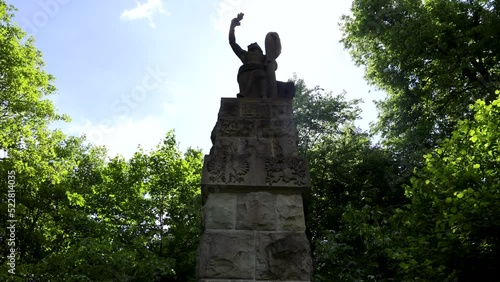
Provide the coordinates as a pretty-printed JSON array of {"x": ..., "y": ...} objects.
[
  {"x": 226, "y": 169},
  {"x": 285, "y": 147},
  {"x": 284, "y": 128},
  {"x": 283, "y": 256},
  {"x": 255, "y": 110},
  {"x": 225, "y": 145},
  {"x": 233, "y": 127},
  {"x": 264, "y": 128},
  {"x": 259, "y": 147},
  {"x": 252, "y": 171},
  {"x": 225, "y": 280},
  {"x": 231, "y": 280},
  {"x": 290, "y": 212},
  {"x": 229, "y": 108},
  {"x": 288, "y": 171},
  {"x": 219, "y": 211},
  {"x": 282, "y": 111},
  {"x": 249, "y": 146},
  {"x": 229, "y": 255},
  {"x": 256, "y": 211}
]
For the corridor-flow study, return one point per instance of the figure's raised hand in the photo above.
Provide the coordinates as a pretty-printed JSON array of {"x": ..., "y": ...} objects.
[
  {"x": 236, "y": 21},
  {"x": 240, "y": 16}
]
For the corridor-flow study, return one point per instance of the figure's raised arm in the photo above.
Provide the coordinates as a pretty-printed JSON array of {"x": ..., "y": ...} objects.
[{"x": 232, "y": 38}]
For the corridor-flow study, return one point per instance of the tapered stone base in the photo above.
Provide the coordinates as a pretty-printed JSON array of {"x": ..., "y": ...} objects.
[{"x": 254, "y": 188}]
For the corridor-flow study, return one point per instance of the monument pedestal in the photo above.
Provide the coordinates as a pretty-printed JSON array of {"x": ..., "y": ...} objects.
[{"x": 254, "y": 187}]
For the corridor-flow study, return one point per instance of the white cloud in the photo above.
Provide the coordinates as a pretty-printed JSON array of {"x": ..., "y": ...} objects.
[
  {"x": 123, "y": 135},
  {"x": 144, "y": 11}
]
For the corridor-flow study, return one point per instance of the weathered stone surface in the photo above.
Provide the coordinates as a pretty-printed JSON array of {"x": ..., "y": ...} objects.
[
  {"x": 219, "y": 211},
  {"x": 265, "y": 130},
  {"x": 256, "y": 211},
  {"x": 226, "y": 255},
  {"x": 225, "y": 146},
  {"x": 253, "y": 186},
  {"x": 255, "y": 110},
  {"x": 260, "y": 147},
  {"x": 248, "y": 146},
  {"x": 282, "y": 111},
  {"x": 290, "y": 212},
  {"x": 254, "y": 118},
  {"x": 229, "y": 108},
  {"x": 250, "y": 170},
  {"x": 225, "y": 280},
  {"x": 226, "y": 169},
  {"x": 230, "y": 280},
  {"x": 286, "y": 171},
  {"x": 284, "y": 128},
  {"x": 283, "y": 256},
  {"x": 286, "y": 90},
  {"x": 234, "y": 127},
  {"x": 285, "y": 147}
]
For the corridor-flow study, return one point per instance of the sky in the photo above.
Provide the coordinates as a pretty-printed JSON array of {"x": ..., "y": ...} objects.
[{"x": 127, "y": 71}]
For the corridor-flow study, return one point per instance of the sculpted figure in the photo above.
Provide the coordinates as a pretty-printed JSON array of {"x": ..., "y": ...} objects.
[{"x": 256, "y": 77}]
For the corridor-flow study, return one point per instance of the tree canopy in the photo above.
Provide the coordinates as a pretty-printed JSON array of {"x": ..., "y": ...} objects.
[
  {"x": 422, "y": 205},
  {"x": 24, "y": 85},
  {"x": 438, "y": 63},
  {"x": 432, "y": 57},
  {"x": 81, "y": 216}
]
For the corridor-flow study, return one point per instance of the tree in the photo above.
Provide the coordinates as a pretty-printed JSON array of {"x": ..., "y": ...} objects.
[
  {"x": 433, "y": 58},
  {"x": 46, "y": 223},
  {"x": 81, "y": 216},
  {"x": 355, "y": 189},
  {"x": 453, "y": 223},
  {"x": 41, "y": 159},
  {"x": 23, "y": 85},
  {"x": 174, "y": 195}
]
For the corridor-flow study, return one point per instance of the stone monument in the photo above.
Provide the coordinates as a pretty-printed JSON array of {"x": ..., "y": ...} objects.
[{"x": 254, "y": 184}]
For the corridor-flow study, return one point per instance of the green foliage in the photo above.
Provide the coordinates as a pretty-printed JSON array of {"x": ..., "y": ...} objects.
[
  {"x": 372, "y": 215},
  {"x": 115, "y": 220},
  {"x": 432, "y": 57},
  {"x": 23, "y": 85},
  {"x": 354, "y": 189},
  {"x": 435, "y": 58},
  {"x": 80, "y": 216},
  {"x": 454, "y": 217},
  {"x": 319, "y": 114}
]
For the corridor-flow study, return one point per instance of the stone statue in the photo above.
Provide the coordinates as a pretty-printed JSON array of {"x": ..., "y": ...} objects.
[{"x": 256, "y": 77}]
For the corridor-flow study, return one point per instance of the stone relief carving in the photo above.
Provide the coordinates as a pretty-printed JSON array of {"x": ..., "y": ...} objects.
[
  {"x": 255, "y": 110},
  {"x": 229, "y": 110},
  {"x": 249, "y": 147},
  {"x": 224, "y": 146},
  {"x": 285, "y": 170},
  {"x": 252, "y": 147},
  {"x": 233, "y": 128},
  {"x": 282, "y": 111},
  {"x": 228, "y": 168},
  {"x": 284, "y": 128},
  {"x": 285, "y": 147}
]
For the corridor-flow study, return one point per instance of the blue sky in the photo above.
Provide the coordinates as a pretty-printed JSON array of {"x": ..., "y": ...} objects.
[{"x": 129, "y": 71}]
